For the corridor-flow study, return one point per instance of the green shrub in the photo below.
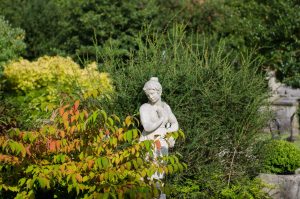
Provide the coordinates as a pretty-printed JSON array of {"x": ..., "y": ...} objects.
[
  {"x": 214, "y": 187},
  {"x": 272, "y": 27},
  {"x": 249, "y": 189},
  {"x": 280, "y": 157},
  {"x": 76, "y": 26},
  {"x": 81, "y": 155},
  {"x": 215, "y": 94},
  {"x": 36, "y": 88},
  {"x": 11, "y": 42},
  {"x": 11, "y": 46}
]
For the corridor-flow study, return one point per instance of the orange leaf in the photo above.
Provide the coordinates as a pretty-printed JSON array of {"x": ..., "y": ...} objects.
[
  {"x": 21, "y": 135},
  {"x": 52, "y": 146},
  {"x": 73, "y": 118},
  {"x": 57, "y": 144},
  {"x": 78, "y": 177},
  {"x": 90, "y": 164},
  {"x": 158, "y": 144},
  {"x": 65, "y": 116},
  {"x": 61, "y": 111},
  {"x": 72, "y": 129},
  {"x": 62, "y": 134},
  {"x": 76, "y": 104}
]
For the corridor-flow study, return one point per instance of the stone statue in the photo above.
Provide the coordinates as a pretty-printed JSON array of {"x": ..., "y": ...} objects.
[{"x": 157, "y": 119}]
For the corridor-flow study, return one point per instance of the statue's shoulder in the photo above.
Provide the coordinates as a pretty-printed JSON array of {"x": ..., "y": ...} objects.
[
  {"x": 165, "y": 105},
  {"x": 145, "y": 106}
]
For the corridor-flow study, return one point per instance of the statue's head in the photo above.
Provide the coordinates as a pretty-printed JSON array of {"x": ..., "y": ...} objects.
[{"x": 153, "y": 89}]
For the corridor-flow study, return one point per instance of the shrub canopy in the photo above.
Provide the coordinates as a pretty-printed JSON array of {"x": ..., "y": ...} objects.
[
  {"x": 216, "y": 95},
  {"x": 81, "y": 155},
  {"x": 11, "y": 42},
  {"x": 36, "y": 88}
]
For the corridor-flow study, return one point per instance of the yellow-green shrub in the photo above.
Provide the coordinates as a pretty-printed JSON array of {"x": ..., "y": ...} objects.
[{"x": 41, "y": 85}]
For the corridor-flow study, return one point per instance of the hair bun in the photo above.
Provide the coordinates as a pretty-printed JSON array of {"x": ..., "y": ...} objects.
[{"x": 154, "y": 79}]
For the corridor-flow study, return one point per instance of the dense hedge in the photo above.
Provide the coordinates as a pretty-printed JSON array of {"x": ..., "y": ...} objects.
[
  {"x": 272, "y": 27},
  {"x": 280, "y": 157},
  {"x": 75, "y": 27},
  {"x": 83, "y": 27}
]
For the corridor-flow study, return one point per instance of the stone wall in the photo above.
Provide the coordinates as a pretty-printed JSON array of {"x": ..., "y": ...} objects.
[{"x": 282, "y": 186}]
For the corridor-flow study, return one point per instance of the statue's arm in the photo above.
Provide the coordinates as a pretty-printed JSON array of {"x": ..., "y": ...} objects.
[
  {"x": 172, "y": 120},
  {"x": 149, "y": 126}
]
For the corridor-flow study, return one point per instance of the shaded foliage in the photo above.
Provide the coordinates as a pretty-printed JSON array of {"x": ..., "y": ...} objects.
[
  {"x": 11, "y": 42},
  {"x": 74, "y": 27}
]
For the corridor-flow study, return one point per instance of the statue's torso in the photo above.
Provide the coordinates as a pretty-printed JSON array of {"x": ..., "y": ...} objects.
[{"x": 152, "y": 111}]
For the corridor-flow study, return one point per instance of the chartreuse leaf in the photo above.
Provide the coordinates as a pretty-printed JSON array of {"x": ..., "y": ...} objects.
[
  {"x": 22, "y": 181},
  {"x": 110, "y": 121},
  {"x": 85, "y": 178},
  {"x": 103, "y": 113},
  {"x": 181, "y": 133},
  {"x": 139, "y": 161},
  {"x": 44, "y": 182},
  {"x": 128, "y": 135},
  {"x": 147, "y": 145},
  {"x": 170, "y": 169},
  {"x": 105, "y": 162}
]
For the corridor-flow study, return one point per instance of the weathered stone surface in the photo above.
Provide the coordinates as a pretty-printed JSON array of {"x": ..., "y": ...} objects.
[
  {"x": 284, "y": 103},
  {"x": 282, "y": 186},
  {"x": 286, "y": 115}
]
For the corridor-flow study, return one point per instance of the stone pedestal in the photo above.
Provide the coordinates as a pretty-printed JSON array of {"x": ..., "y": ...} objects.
[
  {"x": 286, "y": 117},
  {"x": 282, "y": 186}
]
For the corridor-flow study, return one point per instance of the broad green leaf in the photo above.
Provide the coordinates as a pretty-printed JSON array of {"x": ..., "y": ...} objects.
[
  {"x": 85, "y": 178},
  {"x": 103, "y": 113},
  {"x": 105, "y": 162},
  {"x": 170, "y": 169},
  {"x": 110, "y": 121},
  {"x": 135, "y": 133},
  {"x": 129, "y": 135},
  {"x": 22, "y": 181}
]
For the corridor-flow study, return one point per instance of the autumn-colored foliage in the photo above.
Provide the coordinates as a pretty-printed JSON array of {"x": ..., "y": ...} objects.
[
  {"x": 35, "y": 88},
  {"x": 81, "y": 155}
]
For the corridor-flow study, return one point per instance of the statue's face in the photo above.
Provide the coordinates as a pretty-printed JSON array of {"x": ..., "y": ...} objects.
[{"x": 153, "y": 95}]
